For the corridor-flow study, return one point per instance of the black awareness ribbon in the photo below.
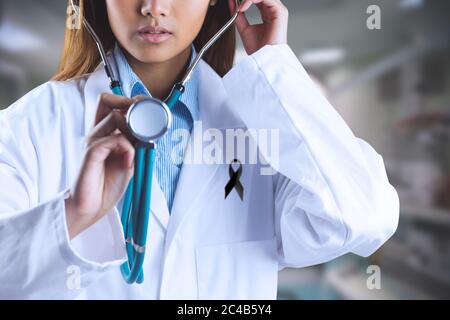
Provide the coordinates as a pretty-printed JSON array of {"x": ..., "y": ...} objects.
[{"x": 234, "y": 182}]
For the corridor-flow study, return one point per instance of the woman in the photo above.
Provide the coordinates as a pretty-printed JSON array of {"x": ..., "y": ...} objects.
[{"x": 66, "y": 160}]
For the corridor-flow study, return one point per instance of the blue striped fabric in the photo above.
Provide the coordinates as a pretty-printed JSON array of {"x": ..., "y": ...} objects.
[{"x": 184, "y": 113}]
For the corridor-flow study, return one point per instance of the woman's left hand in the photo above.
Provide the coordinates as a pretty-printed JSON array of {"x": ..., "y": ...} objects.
[{"x": 272, "y": 31}]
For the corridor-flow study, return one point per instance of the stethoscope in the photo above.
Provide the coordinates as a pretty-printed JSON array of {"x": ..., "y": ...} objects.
[{"x": 148, "y": 120}]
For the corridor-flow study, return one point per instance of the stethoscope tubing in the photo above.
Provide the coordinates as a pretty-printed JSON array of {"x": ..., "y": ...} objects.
[{"x": 139, "y": 199}]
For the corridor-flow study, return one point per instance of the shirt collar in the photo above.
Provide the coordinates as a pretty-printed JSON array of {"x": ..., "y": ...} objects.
[{"x": 132, "y": 85}]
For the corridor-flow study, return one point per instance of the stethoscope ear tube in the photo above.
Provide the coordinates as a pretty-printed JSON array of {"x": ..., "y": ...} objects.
[
  {"x": 115, "y": 88},
  {"x": 175, "y": 95}
]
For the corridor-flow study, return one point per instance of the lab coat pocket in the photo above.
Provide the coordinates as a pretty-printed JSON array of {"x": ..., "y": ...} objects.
[{"x": 242, "y": 270}]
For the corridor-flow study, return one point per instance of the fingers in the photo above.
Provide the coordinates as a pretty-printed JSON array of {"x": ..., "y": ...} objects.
[
  {"x": 232, "y": 5},
  {"x": 265, "y": 7},
  {"x": 245, "y": 5},
  {"x": 113, "y": 121},
  {"x": 272, "y": 30},
  {"x": 101, "y": 148},
  {"x": 259, "y": 3},
  {"x": 108, "y": 102},
  {"x": 110, "y": 117},
  {"x": 241, "y": 20}
]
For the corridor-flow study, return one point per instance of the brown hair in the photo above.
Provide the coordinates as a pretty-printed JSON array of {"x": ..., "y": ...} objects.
[{"x": 80, "y": 54}]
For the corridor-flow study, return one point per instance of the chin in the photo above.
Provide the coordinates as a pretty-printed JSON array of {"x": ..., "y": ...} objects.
[{"x": 154, "y": 53}]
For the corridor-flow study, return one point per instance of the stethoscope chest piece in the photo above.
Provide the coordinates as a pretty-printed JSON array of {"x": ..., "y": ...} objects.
[{"x": 148, "y": 119}]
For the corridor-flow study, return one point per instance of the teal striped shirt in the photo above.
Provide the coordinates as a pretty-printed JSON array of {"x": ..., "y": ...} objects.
[{"x": 184, "y": 113}]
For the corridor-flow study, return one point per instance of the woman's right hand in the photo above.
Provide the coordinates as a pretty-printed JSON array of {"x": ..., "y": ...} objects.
[{"x": 107, "y": 166}]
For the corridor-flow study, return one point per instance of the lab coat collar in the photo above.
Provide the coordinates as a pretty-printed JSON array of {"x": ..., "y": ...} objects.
[{"x": 214, "y": 113}]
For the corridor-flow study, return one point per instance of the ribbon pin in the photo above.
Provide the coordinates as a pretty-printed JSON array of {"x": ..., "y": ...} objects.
[{"x": 234, "y": 182}]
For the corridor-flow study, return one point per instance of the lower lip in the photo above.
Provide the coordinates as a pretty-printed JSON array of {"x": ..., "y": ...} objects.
[{"x": 155, "y": 37}]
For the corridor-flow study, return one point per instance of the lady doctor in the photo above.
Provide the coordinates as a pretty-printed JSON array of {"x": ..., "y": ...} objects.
[{"x": 66, "y": 158}]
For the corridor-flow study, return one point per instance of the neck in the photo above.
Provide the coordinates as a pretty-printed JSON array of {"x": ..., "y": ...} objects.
[{"x": 159, "y": 78}]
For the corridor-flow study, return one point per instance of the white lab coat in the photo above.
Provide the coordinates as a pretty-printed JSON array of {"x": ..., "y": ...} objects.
[{"x": 329, "y": 196}]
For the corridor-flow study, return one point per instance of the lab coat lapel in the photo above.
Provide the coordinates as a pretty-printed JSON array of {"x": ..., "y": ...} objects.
[
  {"x": 195, "y": 177},
  {"x": 96, "y": 84}
]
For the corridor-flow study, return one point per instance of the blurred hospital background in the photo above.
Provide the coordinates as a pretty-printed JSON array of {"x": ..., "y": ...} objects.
[{"x": 392, "y": 86}]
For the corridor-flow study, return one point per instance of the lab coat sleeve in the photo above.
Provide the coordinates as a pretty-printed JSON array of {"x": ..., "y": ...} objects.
[
  {"x": 331, "y": 191},
  {"x": 37, "y": 258}
]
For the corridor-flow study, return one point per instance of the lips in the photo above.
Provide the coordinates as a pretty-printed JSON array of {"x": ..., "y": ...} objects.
[
  {"x": 154, "y": 30},
  {"x": 154, "y": 35}
]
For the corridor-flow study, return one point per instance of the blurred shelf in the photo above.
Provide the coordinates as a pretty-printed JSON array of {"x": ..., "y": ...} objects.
[
  {"x": 429, "y": 281},
  {"x": 354, "y": 287},
  {"x": 305, "y": 284},
  {"x": 432, "y": 273},
  {"x": 431, "y": 215}
]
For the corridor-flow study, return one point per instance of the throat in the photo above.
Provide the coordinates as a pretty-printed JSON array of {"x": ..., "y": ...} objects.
[{"x": 159, "y": 78}]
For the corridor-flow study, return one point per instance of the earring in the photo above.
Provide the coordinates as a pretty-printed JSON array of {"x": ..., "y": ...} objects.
[{"x": 213, "y": 3}]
